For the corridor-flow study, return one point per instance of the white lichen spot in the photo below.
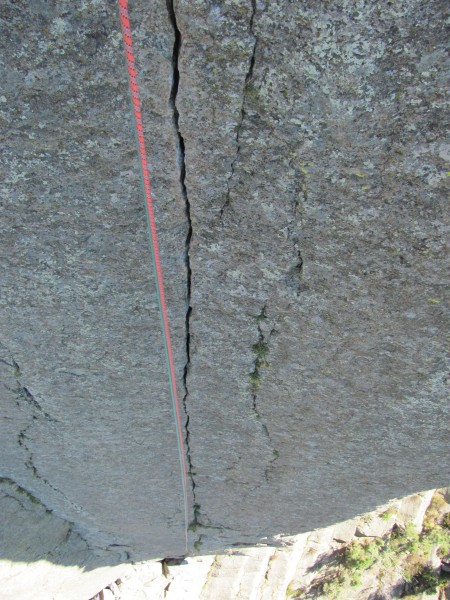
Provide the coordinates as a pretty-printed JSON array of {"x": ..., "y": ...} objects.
[
  {"x": 444, "y": 150},
  {"x": 60, "y": 27},
  {"x": 215, "y": 14},
  {"x": 14, "y": 174},
  {"x": 89, "y": 4},
  {"x": 235, "y": 275},
  {"x": 116, "y": 39}
]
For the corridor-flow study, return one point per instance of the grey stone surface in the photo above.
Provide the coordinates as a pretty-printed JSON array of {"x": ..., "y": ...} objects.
[
  {"x": 85, "y": 401},
  {"x": 296, "y": 570},
  {"x": 345, "y": 531},
  {"x": 412, "y": 509},
  {"x": 59, "y": 563},
  {"x": 299, "y": 173},
  {"x": 319, "y": 204}
]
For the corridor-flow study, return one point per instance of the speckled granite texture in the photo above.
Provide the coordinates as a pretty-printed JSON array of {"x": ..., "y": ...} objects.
[{"x": 300, "y": 175}]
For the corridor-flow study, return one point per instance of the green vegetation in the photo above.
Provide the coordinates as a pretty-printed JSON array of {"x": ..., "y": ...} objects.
[
  {"x": 446, "y": 521},
  {"x": 290, "y": 592},
  {"x": 261, "y": 350},
  {"x": 20, "y": 490},
  {"x": 403, "y": 550},
  {"x": 198, "y": 544},
  {"x": 196, "y": 520},
  {"x": 261, "y": 317},
  {"x": 434, "y": 511},
  {"x": 359, "y": 557},
  {"x": 387, "y": 514},
  {"x": 255, "y": 380}
]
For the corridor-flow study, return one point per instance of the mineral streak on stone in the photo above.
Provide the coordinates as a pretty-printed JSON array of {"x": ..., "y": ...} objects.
[{"x": 313, "y": 171}]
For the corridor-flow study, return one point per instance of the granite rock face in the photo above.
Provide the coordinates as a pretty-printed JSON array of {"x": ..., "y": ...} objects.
[{"x": 300, "y": 172}]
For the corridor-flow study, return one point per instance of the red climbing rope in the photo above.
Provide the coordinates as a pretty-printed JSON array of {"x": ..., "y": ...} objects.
[{"x": 126, "y": 33}]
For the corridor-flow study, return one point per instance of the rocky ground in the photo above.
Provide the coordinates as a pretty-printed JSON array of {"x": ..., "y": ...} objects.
[{"x": 394, "y": 552}]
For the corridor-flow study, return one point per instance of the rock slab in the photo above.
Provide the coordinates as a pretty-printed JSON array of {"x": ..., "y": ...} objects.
[{"x": 300, "y": 173}]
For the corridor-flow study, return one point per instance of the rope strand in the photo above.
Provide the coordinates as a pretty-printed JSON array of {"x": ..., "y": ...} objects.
[{"x": 132, "y": 74}]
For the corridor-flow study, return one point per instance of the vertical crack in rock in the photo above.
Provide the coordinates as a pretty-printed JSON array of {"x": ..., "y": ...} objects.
[
  {"x": 295, "y": 273},
  {"x": 261, "y": 349},
  {"x": 29, "y": 463},
  {"x": 25, "y": 398},
  {"x": 247, "y": 81},
  {"x": 24, "y": 395},
  {"x": 181, "y": 160},
  {"x": 269, "y": 565},
  {"x": 23, "y": 492}
]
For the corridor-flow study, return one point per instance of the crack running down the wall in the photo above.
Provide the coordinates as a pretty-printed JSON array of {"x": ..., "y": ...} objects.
[
  {"x": 22, "y": 491},
  {"x": 248, "y": 78},
  {"x": 261, "y": 349},
  {"x": 25, "y": 398},
  {"x": 22, "y": 439},
  {"x": 294, "y": 277},
  {"x": 22, "y": 495},
  {"x": 181, "y": 159},
  {"x": 23, "y": 394}
]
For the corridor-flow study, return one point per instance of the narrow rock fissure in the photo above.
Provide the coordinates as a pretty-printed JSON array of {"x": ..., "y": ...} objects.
[
  {"x": 21, "y": 440},
  {"x": 24, "y": 395},
  {"x": 29, "y": 463},
  {"x": 295, "y": 273},
  {"x": 182, "y": 178},
  {"x": 248, "y": 78},
  {"x": 20, "y": 490},
  {"x": 21, "y": 504},
  {"x": 261, "y": 349},
  {"x": 269, "y": 565}
]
